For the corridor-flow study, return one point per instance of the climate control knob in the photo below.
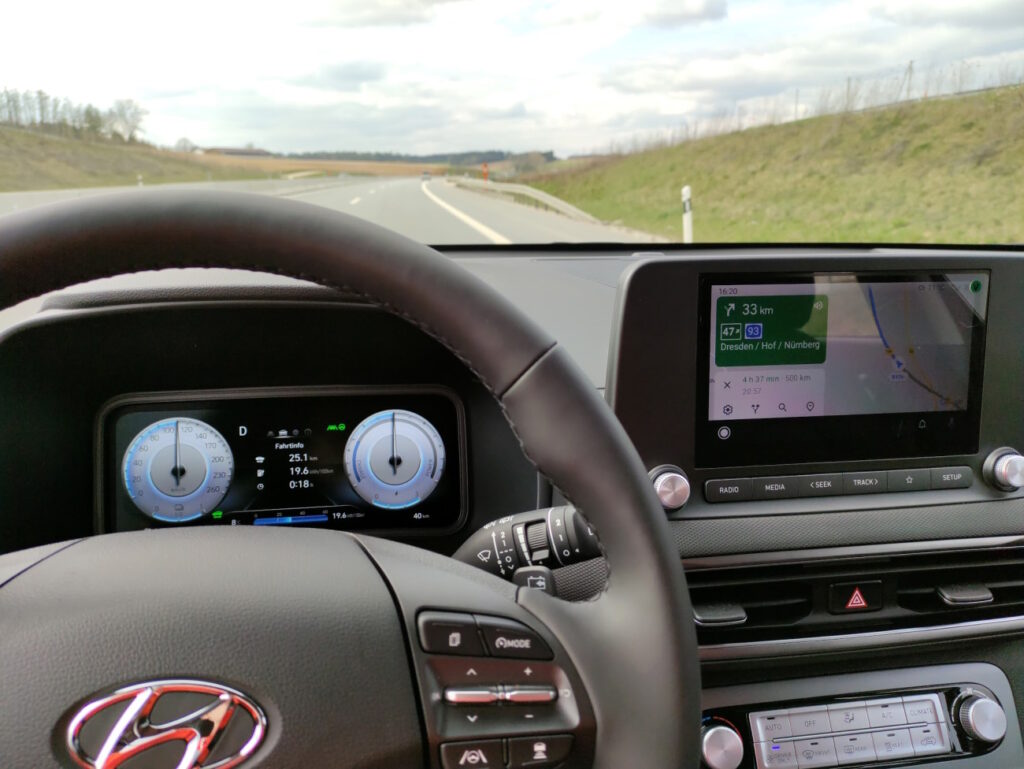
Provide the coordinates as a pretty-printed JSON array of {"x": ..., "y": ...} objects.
[
  {"x": 983, "y": 719},
  {"x": 721, "y": 747}
]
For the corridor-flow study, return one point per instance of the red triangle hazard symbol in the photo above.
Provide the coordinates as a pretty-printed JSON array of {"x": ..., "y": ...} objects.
[{"x": 857, "y": 600}]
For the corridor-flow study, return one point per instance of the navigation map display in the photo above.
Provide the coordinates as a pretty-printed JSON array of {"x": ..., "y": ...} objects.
[{"x": 902, "y": 351}]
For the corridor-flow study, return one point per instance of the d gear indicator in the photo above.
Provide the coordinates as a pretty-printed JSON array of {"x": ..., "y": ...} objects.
[{"x": 394, "y": 459}]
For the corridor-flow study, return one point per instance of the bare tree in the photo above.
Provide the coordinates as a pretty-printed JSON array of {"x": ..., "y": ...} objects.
[{"x": 125, "y": 118}]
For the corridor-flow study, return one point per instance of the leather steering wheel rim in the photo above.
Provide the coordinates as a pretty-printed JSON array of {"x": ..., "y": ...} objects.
[{"x": 634, "y": 645}]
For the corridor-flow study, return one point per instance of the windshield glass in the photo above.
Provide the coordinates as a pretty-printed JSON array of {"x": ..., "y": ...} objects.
[{"x": 461, "y": 122}]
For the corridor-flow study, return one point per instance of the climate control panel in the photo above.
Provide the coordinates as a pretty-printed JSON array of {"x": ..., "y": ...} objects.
[{"x": 894, "y": 718}]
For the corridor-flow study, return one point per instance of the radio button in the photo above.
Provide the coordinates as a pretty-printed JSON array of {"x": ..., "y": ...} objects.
[
  {"x": 893, "y": 744},
  {"x": 813, "y": 720},
  {"x": 823, "y": 485},
  {"x": 811, "y": 754},
  {"x": 775, "y": 487},
  {"x": 728, "y": 490},
  {"x": 854, "y": 749},
  {"x": 847, "y": 716},
  {"x": 770, "y": 725},
  {"x": 929, "y": 740},
  {"x": 886, "y": 713},
  {"x": 871, "y": 482},
  {"x": 952, "y": 477},
  {"x": 775, "y": 755},
  {"x": 919, "y": 479},
  {"x": 922, "y": 708}
]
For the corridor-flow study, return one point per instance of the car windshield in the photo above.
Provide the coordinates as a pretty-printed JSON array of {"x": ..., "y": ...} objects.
[{"x": 529, "y": 121}]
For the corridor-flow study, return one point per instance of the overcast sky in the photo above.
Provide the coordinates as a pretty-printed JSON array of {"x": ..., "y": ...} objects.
[{"x": 447, "y": 75}]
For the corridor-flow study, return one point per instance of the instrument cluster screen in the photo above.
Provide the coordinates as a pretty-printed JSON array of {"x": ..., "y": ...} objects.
[
  {"x": 378, "y": 460},
  {"x": 842, "y": 366}
]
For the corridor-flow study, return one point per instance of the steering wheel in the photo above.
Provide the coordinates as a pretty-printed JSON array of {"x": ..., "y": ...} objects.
[{"x": 320, "y": 648}]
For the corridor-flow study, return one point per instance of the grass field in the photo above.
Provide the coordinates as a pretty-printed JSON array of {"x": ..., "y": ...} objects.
[
  {"x": 942, "y": 171},
  {"x": 36, "y": 161}
]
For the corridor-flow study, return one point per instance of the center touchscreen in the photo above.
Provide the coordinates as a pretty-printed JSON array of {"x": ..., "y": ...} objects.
[{"x": 842, "y": 366}]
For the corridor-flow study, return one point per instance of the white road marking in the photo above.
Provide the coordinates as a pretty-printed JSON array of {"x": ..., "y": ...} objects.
[
  {"x": 483, "y": 229},
  {"x": 354, "y": 201}
]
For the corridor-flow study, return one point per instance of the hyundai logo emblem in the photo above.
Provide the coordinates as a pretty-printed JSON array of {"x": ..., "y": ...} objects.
[{"x": 187, "y": 725}]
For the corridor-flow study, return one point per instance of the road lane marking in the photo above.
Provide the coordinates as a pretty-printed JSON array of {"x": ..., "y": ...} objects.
[
  {"x": 354, "y": 201},
  {"x": 483, "y": 229}
]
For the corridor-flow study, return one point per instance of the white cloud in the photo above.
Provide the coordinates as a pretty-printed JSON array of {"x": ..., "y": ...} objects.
[{"x": 433, "y": 75}]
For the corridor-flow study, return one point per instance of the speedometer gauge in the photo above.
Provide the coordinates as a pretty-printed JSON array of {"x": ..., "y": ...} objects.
[
  {"x": 177, "y": 469},
  {"x": 394, "y": 459}
]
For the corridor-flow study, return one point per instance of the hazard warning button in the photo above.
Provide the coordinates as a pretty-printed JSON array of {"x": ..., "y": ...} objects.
[{"x": 853, "y": 597}]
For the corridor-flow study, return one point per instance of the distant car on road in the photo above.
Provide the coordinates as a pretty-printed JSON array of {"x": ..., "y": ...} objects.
[{"x": 425, "y": 176}]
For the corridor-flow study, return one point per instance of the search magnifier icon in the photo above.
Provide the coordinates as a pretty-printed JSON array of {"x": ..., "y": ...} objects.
[{"x": 782, "y": 407}]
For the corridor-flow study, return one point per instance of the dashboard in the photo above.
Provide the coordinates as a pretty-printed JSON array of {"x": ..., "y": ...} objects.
[{"x": 834, "y": 435}]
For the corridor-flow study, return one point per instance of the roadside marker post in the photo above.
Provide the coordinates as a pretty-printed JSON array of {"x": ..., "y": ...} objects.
[{"x": 687, "y": 216}]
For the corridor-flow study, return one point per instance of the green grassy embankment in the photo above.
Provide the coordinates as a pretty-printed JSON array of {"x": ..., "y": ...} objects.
[
  {"x": 31, "y": 160},
  {"x": 947, "y": 170}
]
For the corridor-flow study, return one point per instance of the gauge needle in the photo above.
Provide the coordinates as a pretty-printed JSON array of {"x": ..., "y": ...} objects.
[
  {"x": 394, "y": 446},
  {"x": 176, "y": 472}
]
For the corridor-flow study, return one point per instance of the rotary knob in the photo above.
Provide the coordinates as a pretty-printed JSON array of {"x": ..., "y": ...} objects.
[
  {"x": 983, "y": 719},
  {"x": 671, "y": 485},
  {"x": 721, "y": 747},
  {"x": 1008, "y": 471}
]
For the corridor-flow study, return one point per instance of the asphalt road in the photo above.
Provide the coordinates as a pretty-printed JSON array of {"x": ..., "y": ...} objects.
[{"x": 435, "y": 212}]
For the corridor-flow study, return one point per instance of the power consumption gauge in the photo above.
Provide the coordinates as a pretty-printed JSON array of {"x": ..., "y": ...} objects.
[
  {"x": 177, "y": 469},
  {"x": 394, "y": 459}
]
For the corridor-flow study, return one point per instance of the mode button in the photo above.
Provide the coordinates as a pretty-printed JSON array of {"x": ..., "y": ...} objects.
[{"x": 506, "y": 638}]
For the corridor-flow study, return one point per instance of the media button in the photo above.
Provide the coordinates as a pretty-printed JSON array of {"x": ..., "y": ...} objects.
[
  {"x": 824, "y": 485},
  {"x": 775, "y": 487},
  {"x": 871, "y": 482},
  {"x": 728, "y": 490},
  {"x": 952, "y": 477},
  {"x": 919, "y": 479}
]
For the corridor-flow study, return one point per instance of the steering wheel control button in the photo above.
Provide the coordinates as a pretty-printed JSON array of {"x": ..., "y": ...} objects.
[
  {"x": 775, "y": 487},
  {"x": 449, "y": 633},
  {"x": 538, "y": 752},
  {"x": 529, "y": 695},
  {"x": 721, "y": 747},
  {"x": 811, "y": 754},
  {"x": 775, "y": 755},
  {"x": 891, "y": 745},
  {"x": 480, "y": 695},
  {"x": 535, "y": 578},
  {"x": 848, "y": 716},
  {"x": 922, "y": 708},
  {"x": 477, "y": 753},
  {"x": 855, "y": 597},
  {"x": 871, "y": 482},
  {"x": 854, "y": 749},
  {"x": 983, "y": 719},
  {"x": 952, "y": 477},
  {"x": 770, "y": 725},
  {"x": 506, "y": 638},
  {"x": 886, "y": 713},
  {"x": 929, "y": 740},
  {"x": 729, "y": 490}
]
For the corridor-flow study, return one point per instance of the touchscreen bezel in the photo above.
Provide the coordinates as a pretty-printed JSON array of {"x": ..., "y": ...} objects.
[{"x": 808, "y": 439}]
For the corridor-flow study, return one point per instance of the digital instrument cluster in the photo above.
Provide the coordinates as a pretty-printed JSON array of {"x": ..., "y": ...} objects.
[{"x": 349, "y": 459}]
